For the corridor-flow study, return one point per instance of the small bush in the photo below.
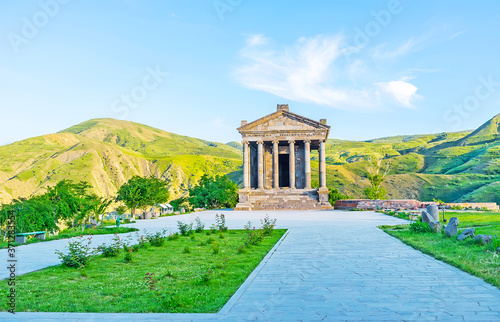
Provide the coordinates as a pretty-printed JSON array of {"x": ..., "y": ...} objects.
[
  {"x": 241, "y": 249},
  {"x": 157, "y": 239},
  {"x": 216, "y": 249},
  {"x": 254, "y": 237},
  {"x": 173, "y": 236},
  {"x": 206, "y": 276},
  {"x": 128, "y": 256},
  {"x": 199, "y": 225},
  {"x": 111, "y": 250},
  {"x": 186, "y": 250},
  {"x": 184, "y": 229},
  {"x": 267, "y": 225},
  {"x": 79, "y": 253},
  {"x": 420, "y": 227},
  {"x": 220, "y": 222}
]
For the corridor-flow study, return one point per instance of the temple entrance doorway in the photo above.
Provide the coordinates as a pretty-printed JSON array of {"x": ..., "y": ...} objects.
[{"x": 284, "y": 170}]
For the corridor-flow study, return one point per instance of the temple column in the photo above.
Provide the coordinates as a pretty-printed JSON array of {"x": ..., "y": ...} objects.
[
  {"x": 260, "y": 145},
  {"x": 292, "y": 164},
  {"x": 307, "y": 157},
  {"x": 246, "y": 163},
  {"x": 276, "y": 170},
  {"x": 322, "y": 164}
]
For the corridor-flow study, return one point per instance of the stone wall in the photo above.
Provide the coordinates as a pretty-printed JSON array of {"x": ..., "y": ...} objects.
[
  {"x": 475, "y": 205},
  {"x": 366, "y": 204}
]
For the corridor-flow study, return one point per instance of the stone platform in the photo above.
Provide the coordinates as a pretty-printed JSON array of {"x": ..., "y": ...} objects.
[{"x": 283, "y": 199}]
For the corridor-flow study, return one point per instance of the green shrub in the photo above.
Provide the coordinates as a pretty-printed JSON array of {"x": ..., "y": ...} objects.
[
  {"x": 199, "y": 225},
  {"x": 157, "y": 239},
  {"x": 420, "y": 227},
  {"x": 220, "y": 222},
  {"x": 184, "y": 229},
  {"x": 173, "y": 236},
  {"x": 128, "y": 256},
  {"x": 113, "y": 249},
  {"x": 267, "y": 225},
  {"x": 78, "y": 253}
]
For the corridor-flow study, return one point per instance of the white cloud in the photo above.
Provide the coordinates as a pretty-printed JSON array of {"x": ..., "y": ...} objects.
[
  {"x": 402, "y": 91},
  {"x": 380, "y": 53},
  {"x": 455, "y": 35},
  {"x": 310, "y": 71}
]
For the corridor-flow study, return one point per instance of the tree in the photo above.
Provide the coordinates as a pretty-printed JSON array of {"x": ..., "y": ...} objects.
[
  {"x": 72, "y": 200},
  {"x": 335, "y": 195},
  {"x": 140, "y": 192},
  {"x": 376, "y": 177},
  {"x": 214, "y": 192},
  {"x": 65, "y": 201},
  {"x": 99, "y": 207}
]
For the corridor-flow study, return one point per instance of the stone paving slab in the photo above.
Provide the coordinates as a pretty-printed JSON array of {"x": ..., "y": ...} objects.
[{"x": 331, "y": 266}]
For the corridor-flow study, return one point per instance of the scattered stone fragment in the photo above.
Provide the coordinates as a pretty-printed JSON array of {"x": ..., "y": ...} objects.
[
  {"x": 426, "y": 217},
  {"x": 471, "y": 232},
  {"x": 435, "y": 226},
  {"x": 452, "y": 228},
  {"x": 483, "y": 239},
  {"x": 433, "y": 210}
]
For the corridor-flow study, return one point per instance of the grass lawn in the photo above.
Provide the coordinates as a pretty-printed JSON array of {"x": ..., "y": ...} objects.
[
  {"x": 195, "y": 274},
  {"x": 481, "y": 261},
  {"x": 68, "y": 233}
]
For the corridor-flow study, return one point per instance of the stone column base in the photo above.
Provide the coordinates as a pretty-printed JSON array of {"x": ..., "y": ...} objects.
[
  {"x": 324, "y": 198},
  {"x": 244, "y": 204}
]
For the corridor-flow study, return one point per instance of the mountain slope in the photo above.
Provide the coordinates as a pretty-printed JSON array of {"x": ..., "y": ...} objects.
[{"x": 106, "y": 153}]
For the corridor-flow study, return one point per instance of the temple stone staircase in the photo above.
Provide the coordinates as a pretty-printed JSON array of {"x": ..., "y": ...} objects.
[{"x": 285, "y": 199}]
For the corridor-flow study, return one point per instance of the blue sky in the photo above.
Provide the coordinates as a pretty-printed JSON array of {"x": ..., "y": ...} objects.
[{"x": 372, "y": 68}]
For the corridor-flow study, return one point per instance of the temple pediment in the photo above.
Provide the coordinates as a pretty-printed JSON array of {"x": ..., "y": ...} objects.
[{"x": 284, "y": 121}]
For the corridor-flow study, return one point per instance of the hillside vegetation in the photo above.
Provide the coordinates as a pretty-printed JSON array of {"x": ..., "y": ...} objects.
[
  {"x": 106, "y": 153},
  {"x": 462, "y": 166}
]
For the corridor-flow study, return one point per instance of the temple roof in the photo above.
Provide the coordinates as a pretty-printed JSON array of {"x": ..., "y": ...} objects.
[{"x": 284, "y": 122}]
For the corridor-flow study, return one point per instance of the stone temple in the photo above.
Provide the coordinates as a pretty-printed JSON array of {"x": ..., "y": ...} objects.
[{"x": 277, "y": 162}]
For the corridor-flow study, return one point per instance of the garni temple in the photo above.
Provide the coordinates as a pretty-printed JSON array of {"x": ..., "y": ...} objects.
[{"x": 277, "y": 162}]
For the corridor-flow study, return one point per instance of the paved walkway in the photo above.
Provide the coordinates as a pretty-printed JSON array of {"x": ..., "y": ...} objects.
[{"x": 331, "y": 266}]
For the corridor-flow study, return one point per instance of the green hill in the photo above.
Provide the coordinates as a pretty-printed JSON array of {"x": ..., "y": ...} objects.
[
  {"x": 106, "y": 153},
  {"x": 462, "y": 166}
]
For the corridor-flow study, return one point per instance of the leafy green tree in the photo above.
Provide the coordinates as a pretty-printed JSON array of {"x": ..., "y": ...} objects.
[
  {"x": 34, "y": 214},
  {"x": 140, "y": 192},
  {"x": 72, "y": 200},
  {"x": 214, "y": 192},
  {"x": 99, "y": 207},
  {"x": 65, "y": 201},
  {"x": 376, "y": 176},
  {"x": 335, "y": 195}
]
